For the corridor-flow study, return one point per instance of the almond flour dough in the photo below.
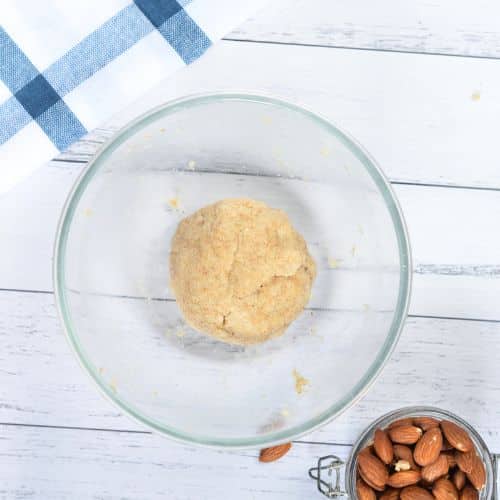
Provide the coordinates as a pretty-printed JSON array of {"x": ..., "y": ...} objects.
[{"x": 239, "y": 271}]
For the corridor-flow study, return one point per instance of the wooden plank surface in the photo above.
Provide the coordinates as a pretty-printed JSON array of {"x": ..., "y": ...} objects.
[
  {"x": 446, "y": 363},
  {"x": 426, "y": 119},
  {"x": 454, "y": 247},
  {"x": 427, "y": 26},
  {"x": 58, "y": 464}
]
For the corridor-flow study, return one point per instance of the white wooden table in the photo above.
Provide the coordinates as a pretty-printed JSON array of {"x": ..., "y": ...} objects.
[{"x": 418, "y": 83}]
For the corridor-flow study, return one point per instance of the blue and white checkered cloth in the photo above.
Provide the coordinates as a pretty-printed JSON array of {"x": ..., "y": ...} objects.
[{"x": 67, "y": 66}]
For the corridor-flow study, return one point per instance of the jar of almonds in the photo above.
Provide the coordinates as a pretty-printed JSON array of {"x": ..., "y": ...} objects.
[{"x": 417, "y": 453}]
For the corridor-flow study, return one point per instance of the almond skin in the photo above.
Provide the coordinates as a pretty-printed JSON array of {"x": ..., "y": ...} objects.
[
  {"x": 428, "y": 447},
  {"x": 383, "y": 446},
  {"x": 390, "y": 494},
  {"x": 415, "y": 493},
  {"x": 405, "y": 434},
  {"x": 373, "y": 471},
  {"x": 456, "y": 436},
  {"x": 444, "y": 489},
  {"x": 469, "y": 493},
  {"x": 274, "y": 452},
  {"x": 465, "y": 461},
  {"x": 404, "y": 478},
  {"x": 477, "y": 475},
  {"x": 363, "y": 491},
  {"x": 403, "y": 452},
  {"x": 435, "y": 470},
  {"x": 425, "y": 423},
  {"x": 400, "y": 422},
  {"x": 367, "y": 449},
  {"x": 459, "y": 479}
]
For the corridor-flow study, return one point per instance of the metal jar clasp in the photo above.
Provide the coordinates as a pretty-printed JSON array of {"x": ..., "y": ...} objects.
[{"x": 328, "y": 464}]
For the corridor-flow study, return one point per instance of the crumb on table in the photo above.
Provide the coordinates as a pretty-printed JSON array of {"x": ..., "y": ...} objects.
[
  {"x": 476, "y": 96},
  {"x": 300, "y": 382},
  {"x": 88, "y": 212},
  {"x": 333, "y": 263},
  {"x": 191, "y": 164},
  {"x": 174, "y": 202}
]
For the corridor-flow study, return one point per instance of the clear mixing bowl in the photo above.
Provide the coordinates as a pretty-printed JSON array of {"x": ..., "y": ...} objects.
[{"x": 112, "y": 270}]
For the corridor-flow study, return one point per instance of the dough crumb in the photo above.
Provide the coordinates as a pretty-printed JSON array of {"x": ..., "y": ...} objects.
[
  {"x": 300, "y": 382},
  {"x": 476, "y": 96},
  {"x": 285, "y": 413},
  {"x": 88, "y": 212},
  {"x": 191, "y": 164},
  {"x": 333, "y": 263},
  {"x": 239, "y": 271},
  {"x": 174, "y": 203}
]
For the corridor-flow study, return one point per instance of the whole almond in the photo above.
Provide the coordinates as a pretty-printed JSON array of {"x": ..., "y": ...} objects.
[
  {"x": 435, "y": 470},
  {"x": 405, "y": 434},
  {"x": 477, "y": 475},
  {"x": 465, "y": 461},
  {"x": 401, "y": 421},
  {"x": 415, "y": 493},
  {"x": 363, "y": 491},
  {"x": 456, "y": 436},
  {"x": 373, "y": 471},
  {"x": 425, "y": 423},
  {"x": 469, "y": 493},
  {"x": 444, "y": 489},
  {"x": 383, "y": 446},
  {"x": 402, "y": 452},
  {"x": 390, "y": 494},
  {"x": 404, "y": 478},
  {"x": 459, "y": 479},
  {"x": 274, "y": 452},
  {"x": 428, "y": 447}
]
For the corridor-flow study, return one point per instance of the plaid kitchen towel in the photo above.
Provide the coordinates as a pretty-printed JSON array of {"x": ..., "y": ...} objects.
[{"x": 67, "y": 66}]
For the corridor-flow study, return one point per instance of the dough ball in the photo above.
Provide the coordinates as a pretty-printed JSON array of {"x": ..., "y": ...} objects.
[{"x": 239, "y": 271}]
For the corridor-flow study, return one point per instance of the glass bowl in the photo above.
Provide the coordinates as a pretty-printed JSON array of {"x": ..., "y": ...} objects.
[
  {"x": 332, "y": 462},
  {"x": 111, "y": 270}
]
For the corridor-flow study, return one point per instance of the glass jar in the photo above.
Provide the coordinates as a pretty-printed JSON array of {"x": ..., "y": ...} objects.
[{"x": 326, "y": 465}]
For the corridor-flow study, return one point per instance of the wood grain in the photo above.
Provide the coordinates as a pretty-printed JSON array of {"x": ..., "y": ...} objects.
[
  {"x": 436, "y": 26},
  {"x": 58, "y": 464},
  {"x": 466, "y": 270},
  {"x": 447, "y": 363},
  {"x": 416, "y": 114}
]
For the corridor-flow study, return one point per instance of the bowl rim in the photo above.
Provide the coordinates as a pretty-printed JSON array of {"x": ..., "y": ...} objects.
[{"x": 392, "y": 204}]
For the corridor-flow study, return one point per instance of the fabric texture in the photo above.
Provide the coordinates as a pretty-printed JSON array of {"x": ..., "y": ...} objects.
[{"x": 65, "y": 67}]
